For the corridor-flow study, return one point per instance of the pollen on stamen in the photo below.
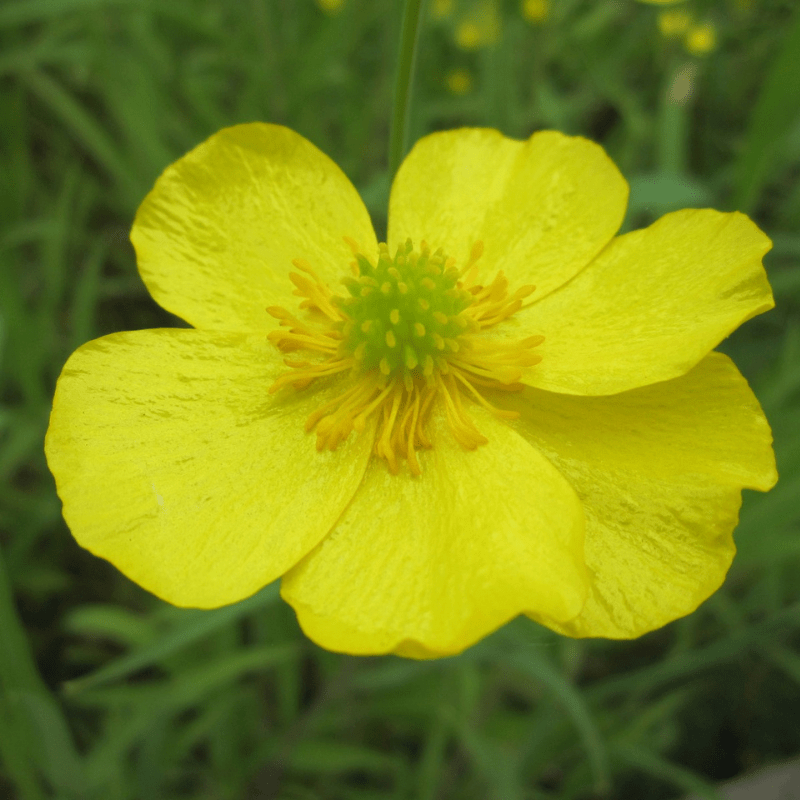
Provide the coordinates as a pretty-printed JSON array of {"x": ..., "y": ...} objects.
[{"x": 403, "y": 339}]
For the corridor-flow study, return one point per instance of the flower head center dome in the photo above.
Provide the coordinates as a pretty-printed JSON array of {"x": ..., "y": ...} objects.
[
  {"x": 404, "y": 313},
  {"x": 408, "y": 330}
]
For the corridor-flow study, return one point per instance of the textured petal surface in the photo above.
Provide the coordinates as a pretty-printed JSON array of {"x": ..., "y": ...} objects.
[
  {"x": 216, "y": 236},
  {"x": 659, "y": 471},
  {"x": 427, "y": 566},
  {"x": 543, "y": 207},
  {"x": 175, "y": 464},
  {"x": 651, "y": 305}
]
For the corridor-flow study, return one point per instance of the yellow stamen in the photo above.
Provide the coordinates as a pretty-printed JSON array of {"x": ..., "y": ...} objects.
[{"x": 433, "y": 350}]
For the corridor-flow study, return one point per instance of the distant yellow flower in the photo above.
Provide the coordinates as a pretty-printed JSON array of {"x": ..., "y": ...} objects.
[
  {"x": 440, "y": 9},
  {"x": 673, "y": 24},
  {"x": 701, "y": 39},
  {"x": 459, "y": 81},
  {"x": 507, "y": 410},
  {"x": 331, "y": 6},
  {"x": 478, "y": 25},
  {"x": 535, "y": 10}
]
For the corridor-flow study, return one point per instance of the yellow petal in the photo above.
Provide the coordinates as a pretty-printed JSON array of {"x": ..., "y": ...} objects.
[
  {"x": 426, "y": 566},
  {"x": 651, "y": 305},
  {"x": 216, "y": 236},
  {"x": 174, "y": 463},
  {"x": 543, "y": 207},
  {"x": 659, "y": 471}
]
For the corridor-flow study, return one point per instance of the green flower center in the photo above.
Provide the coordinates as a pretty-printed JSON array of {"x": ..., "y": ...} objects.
[
  {"x": 409, "y": 334},
  {"x": 404, "y": 313}
]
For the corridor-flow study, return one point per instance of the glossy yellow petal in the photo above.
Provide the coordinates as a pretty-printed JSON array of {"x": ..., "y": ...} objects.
[
  {"x": 216, "y": 236},
  {"x": 659, "y": 472},
  {"x": 174, "y": 463},
  {"x": 426, "y": 566},
  {"x": 543, "y": 207},
  {"x": 651, "y": 305}
]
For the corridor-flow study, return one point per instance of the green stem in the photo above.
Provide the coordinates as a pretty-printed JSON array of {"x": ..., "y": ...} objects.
[{"x": 409, "y": 35}]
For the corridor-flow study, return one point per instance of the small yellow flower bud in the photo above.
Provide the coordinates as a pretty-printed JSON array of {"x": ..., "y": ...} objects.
[
  {"x": 535, "y": 11},
  {"x": 701, "y": 39},
  {"x": 459, "y": 81}
]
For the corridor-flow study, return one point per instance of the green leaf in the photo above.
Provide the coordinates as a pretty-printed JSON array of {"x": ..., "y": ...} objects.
[
  {"x": 775, "y": 110},
  {"x": 576, "y": 707},
  {"x": 190, "y": 626},
  {"x": 653, "y": 764}
]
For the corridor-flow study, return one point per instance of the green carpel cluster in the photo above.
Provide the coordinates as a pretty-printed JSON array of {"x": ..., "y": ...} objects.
[{"x": 404, "y": 313}]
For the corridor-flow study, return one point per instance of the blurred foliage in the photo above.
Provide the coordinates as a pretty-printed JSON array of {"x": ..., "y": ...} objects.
[{"x": 107, "y": 693}]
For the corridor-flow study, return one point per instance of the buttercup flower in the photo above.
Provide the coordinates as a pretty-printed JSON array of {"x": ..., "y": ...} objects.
[
  {"x": 478, "y": 24},
  {"x": 459, "y": 81},
  {"x": 674, "y": 23},
  {"x": 331, "y": 6},
  {"x": 504, "y": 410},
  {"x": 535, "y": 11},
  {"x": 701, "y": 39}
]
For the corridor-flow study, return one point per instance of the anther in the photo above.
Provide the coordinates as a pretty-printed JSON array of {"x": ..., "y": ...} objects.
[
  {"x": 405, "y": 351},
  {"x": 352, "y": 244}
]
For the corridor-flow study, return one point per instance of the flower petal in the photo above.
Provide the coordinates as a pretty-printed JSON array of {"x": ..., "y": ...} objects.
[
  {"x": 427, "y": 566},
  {"x": 659, "y": 471},
  {"x": 543, "y": 207},
  {"x": 216, "y": 236},
  {"x": 174, "y": 463},
  {"x": 651, "y": 305}
]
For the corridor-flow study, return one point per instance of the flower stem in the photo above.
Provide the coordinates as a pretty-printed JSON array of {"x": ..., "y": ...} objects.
[{"x": 409, "y": 35}]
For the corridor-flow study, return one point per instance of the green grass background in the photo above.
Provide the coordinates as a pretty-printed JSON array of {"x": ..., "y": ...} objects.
[{"x": 107, "y": 693}]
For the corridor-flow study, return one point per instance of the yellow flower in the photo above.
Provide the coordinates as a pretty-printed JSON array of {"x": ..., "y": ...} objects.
[
  {"x": 507, "y": 411},
  {"x": 535, "y": 11},
  {"x": 331, "y": 6},
  {"x": 478, "y": 26},
  {"x": 701, "y": 39},
  {"x": 674, "y": 23},
  {"x": 440, "y": 9},
  {"x": 459, "y": 81}
]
